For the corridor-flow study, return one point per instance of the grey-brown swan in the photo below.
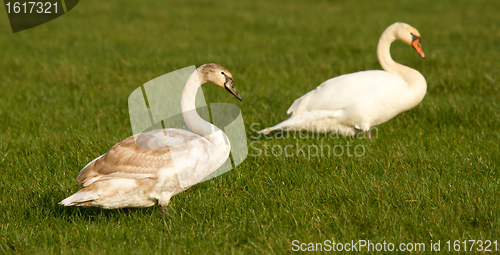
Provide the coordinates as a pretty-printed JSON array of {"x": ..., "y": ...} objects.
[{"x": 153, "y": 166}]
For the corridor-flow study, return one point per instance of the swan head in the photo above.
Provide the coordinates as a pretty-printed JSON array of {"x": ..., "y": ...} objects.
[
  {"x": 219, "y": 76},
  {"x": 410, "y": 36}
]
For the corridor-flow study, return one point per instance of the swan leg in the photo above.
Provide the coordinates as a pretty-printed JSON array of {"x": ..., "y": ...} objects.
[
  {"x": 164, "y": 209},
  {"x": 163, "y": 201},
  {"x": 369, "y": 135}
]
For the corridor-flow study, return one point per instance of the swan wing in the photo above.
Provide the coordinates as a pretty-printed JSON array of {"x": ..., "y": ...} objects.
[
  {"x": 350, "y": 90},
  {"x": 144, "y": 155},
  {"x": 299, "y": 101}
]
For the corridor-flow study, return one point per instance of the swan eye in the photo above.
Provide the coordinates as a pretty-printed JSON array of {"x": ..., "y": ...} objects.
[{"x": 415, "y": 38}]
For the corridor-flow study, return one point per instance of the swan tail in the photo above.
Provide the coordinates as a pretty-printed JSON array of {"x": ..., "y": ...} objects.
[
  {"x": 285, "y": 126},
  {"x": 79, "y": 199},
  {"x": 267, "y": 130},
  {"x": 305, "y": 121},
  {"x": 289, "y": 123}
]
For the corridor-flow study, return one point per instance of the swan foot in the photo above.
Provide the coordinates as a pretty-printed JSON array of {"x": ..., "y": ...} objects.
[{"x": 164, "y": 209}]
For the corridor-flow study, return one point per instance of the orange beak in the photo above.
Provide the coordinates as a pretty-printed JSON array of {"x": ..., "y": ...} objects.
[{"x": 416, "y": 45}]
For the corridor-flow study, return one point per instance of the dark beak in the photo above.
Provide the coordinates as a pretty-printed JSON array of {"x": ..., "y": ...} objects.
[{"x": 229, "y": 85}]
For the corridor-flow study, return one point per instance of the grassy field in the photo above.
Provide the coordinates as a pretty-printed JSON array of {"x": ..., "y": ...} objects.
[{"x": 430, "y": 174}]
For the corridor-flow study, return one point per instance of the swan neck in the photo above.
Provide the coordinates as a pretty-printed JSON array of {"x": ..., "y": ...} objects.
[
  {"x": 384, "y": 52},
  {"x": 414, "y": 78},
  {"x": 410, "y": 75},
  {"x": 188, "y": 107}
]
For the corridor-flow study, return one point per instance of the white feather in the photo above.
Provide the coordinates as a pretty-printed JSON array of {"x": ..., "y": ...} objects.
[{"x": 358, "y": 101}]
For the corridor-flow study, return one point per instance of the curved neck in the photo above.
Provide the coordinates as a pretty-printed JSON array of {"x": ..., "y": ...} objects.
[
  {"x": 384, "y": 54},
  {"x": 413, "y": 77},
  {"x": 188, "y": 107}
]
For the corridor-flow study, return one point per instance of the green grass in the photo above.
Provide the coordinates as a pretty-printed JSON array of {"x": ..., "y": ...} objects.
[{"x": 431, "y": 174}]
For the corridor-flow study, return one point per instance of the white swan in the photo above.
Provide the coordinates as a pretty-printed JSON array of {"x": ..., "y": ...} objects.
[
  {"x": 153, "y": 166},
  {"x": 356, "y": 102}
]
